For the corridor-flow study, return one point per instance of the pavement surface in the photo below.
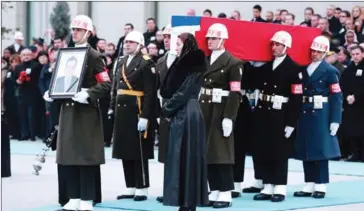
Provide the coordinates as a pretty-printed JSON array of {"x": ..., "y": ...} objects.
[{"x": 24, "y": 191}]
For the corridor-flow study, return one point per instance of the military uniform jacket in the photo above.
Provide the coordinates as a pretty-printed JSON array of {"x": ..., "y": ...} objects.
[
  {"x": 162, "y": 70},
  {"x": 313, "y": 140},
  {"x": 80, "y": 138},
  {"x": 140, "y": 74},
  {"x": 225, "y": 73},
  {"x": 271, "y": 119},
  {"x": 352, "y": 83}
]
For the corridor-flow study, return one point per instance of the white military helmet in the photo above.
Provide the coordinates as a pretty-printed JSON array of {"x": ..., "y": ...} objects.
[
  {"x": 82, "y": 22},
  {"x": 283, "y": 38},
  {"x": 18, "y": 36},
  {"x": 218, "y": 30},
  {"x": 321, "y": 43},
  {"x": 135, "y": 36},
  {"x": 167, "y": 30}
]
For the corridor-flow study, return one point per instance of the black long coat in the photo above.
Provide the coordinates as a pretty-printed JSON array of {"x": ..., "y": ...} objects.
[
  {"x": 162, "y": 70},
  {"x": 141, "y": 75},
  {"x": 269, "y": 123},
  {"x": 185, "y": 172},
  {"x": 244, "y": 119},
  {"x": 352, "y": 83}
]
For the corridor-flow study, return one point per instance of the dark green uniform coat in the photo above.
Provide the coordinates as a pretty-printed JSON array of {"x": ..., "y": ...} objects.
[
  {"x": 226, "y": 69},
  {"x": 80, "y": 136},
  {"x": 141, "y": 75}
]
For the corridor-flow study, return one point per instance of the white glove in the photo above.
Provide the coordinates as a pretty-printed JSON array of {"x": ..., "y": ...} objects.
[
  {"x": 142, "y": 124},
  {"x": 158, "y": 120},
  {"x": 227, "y": 127},
  {"x": 8, "y": 75},
  {"x": 289, "y": 130},
  {"x": 110, "y": 111},
  {"x": 334, "y": 127},
  {"x": 350, "y": 99},
  {"x": 28, "y": 71},
  {"x": 81, "y": 97},
  {"x": 46, "y": 97}
]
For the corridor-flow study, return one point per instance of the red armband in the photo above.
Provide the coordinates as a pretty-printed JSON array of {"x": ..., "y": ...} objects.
[
  {"x": 335, "y": 88},
  {"x": 235, "y": 86},
  {"x": 102, "y": 77},
  {"x": 296, "y": 89}
]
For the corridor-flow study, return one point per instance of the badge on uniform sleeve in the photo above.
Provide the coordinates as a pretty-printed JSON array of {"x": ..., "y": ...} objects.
[
  {"x": 335, "y": 88},
  {"x": 359, "y": 72},
  {"x": 102, "y": 77},
  {"x": 153, "y": 70},
  {"x": 296, "y": 89},
  {"x": 235, "y": 86}
]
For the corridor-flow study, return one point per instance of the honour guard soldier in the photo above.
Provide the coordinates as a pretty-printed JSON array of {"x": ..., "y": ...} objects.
[
  {"x": 162, "y": 68},
  {"x": 243, "y": 133},
  {"x": 220, "y": 100},
  {"x": 80, "y": 150},
  {"x": 134, "y": 100},
  {"x": 275, "y": 117},
  {"x": 316, "y": 140},
  {"x": 352, "y": 82}
]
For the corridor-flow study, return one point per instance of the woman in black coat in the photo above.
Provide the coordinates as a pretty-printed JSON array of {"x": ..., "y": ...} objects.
[{"x": 185, "y": 173}]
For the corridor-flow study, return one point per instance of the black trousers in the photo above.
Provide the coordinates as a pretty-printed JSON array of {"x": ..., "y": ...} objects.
[
  {"x": 239, "y": 170},
  {"x": 62, "y": 185},
  {"x": 81, "y": 182},
  {"x": 220, "y": 177},
  {"x": 357, "y": 148},
  {"x": 5, "y": 149},
  {"x": 316, "y": 171},
  {"x": 133, "y": 173},
  {"x": 274, "y": 171}
]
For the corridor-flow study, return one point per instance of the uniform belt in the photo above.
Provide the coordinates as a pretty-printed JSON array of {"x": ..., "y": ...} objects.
[
  {"x": 222, "y": 93},
  {"x": 273, "y": 98},
  {"x": 307, "y": 99},
  {"x": 130, "y": 92}
]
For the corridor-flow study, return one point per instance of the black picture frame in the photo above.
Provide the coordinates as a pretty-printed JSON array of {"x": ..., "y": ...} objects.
[{"x": 59, "y": 90}]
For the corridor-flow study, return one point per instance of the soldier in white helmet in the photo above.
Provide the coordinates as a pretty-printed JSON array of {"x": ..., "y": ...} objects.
[
  {"x": 220, "y": 100},
  {"x": 316, "y": 140},
  {"x": 80, "y": 150},
  {"x": 133, "y": 100},
  {"x": 162, "y": 67},
  {"x": 275, "y": 117}
]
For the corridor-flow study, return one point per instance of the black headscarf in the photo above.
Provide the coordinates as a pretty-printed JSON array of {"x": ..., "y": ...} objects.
[{"x": 181, "y": 67}]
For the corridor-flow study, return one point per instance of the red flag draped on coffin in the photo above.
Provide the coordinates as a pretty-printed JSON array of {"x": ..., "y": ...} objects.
[{"x": 250, "y": 41}]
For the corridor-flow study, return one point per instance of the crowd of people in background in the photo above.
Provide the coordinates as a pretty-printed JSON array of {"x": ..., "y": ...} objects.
[{"x": 29, "y": 116}]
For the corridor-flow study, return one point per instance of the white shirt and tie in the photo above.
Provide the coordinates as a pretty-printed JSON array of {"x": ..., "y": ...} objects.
[
  {"x": 312, "y": 67},
  {"x": 277, "y": 61},
  {"x": 215, "y": 55}
]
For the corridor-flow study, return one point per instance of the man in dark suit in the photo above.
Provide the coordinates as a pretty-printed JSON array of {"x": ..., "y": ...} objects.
[{"x": 68, "y": 82}]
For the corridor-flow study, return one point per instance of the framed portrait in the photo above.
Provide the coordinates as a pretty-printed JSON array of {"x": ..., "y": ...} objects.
[{"x": 68, "y": 72}]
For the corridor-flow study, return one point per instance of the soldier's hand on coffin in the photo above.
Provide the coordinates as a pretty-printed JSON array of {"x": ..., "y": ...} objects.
[
  {"x": 81, "y": 97},
  {"x": 334, "y": 127},
  {"x": 227, "y": 127},
  {"x": 142, "y": 124},
  {"x": 289, "y": 130},
  {"x": 46, "y": 97}
]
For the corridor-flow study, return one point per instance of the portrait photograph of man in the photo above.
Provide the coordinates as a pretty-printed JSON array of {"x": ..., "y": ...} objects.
[{"x": 69, "y": 82}]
